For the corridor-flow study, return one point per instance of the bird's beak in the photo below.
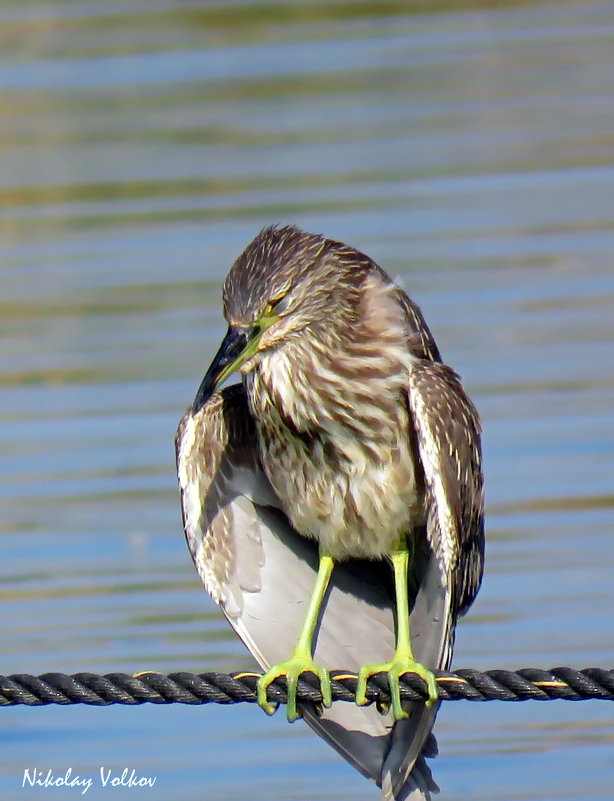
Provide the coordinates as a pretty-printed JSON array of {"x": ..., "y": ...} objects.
[{"x": 238, "y": 345}]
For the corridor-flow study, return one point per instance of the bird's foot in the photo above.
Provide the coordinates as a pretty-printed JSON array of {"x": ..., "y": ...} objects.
[
  {"x": 292, "y": 670},
  {"x": 400, "y": 664}
]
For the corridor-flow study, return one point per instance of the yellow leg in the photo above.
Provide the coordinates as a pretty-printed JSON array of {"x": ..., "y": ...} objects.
[
  {"x": 402, "y": 660},
  {"x": 301, "y": 660}
]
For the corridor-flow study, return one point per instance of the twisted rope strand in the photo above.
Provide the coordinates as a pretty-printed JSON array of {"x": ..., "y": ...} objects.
[{"x": 93, "y": 689}]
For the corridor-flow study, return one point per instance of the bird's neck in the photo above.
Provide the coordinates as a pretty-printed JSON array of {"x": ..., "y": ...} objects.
[{"x": 347, "y": 384}]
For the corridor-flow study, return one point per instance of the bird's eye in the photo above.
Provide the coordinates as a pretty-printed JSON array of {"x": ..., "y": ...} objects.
[{"x": 278, "y": 305}]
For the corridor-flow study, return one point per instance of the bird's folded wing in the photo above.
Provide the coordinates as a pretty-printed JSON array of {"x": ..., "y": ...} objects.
[
  {"x": 220, "y": 483},
  {"x": 448, "y": 435}
]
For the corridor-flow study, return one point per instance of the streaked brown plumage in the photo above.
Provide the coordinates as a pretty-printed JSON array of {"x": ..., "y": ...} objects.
[{"x": 348, "y": 432}]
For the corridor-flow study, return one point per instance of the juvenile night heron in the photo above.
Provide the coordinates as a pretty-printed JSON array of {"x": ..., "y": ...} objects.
[{"x": 348, "y": 445}]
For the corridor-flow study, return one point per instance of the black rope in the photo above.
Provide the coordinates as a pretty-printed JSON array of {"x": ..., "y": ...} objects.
[{"x": 222, "y": 688}]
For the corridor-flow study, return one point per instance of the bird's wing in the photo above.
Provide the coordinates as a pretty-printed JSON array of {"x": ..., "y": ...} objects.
[
  {"x": 448, "y": 436},
  {"x": 261, "y": 572},
  {"x": 447, "y": 572}
]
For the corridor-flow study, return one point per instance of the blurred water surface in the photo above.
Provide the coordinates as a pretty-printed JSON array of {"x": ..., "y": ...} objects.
[{"x": 469, "y": 149}]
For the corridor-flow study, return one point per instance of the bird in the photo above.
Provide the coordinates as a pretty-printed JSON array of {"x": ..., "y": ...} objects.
[{"x": 333, "y": 499}]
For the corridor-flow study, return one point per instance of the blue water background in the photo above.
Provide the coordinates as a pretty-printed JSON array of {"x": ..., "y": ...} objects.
[{"x": 469, "y": 149}]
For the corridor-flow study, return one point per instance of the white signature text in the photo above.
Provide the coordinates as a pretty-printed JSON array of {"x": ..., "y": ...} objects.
[{"x": 128, "y": 778}]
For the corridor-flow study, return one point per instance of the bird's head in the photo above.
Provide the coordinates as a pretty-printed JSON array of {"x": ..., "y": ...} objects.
[{"x": 285, "y": 283}]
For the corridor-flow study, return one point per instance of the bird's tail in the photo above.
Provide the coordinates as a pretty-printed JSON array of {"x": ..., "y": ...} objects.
[{"x": 419, "y": 785}]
